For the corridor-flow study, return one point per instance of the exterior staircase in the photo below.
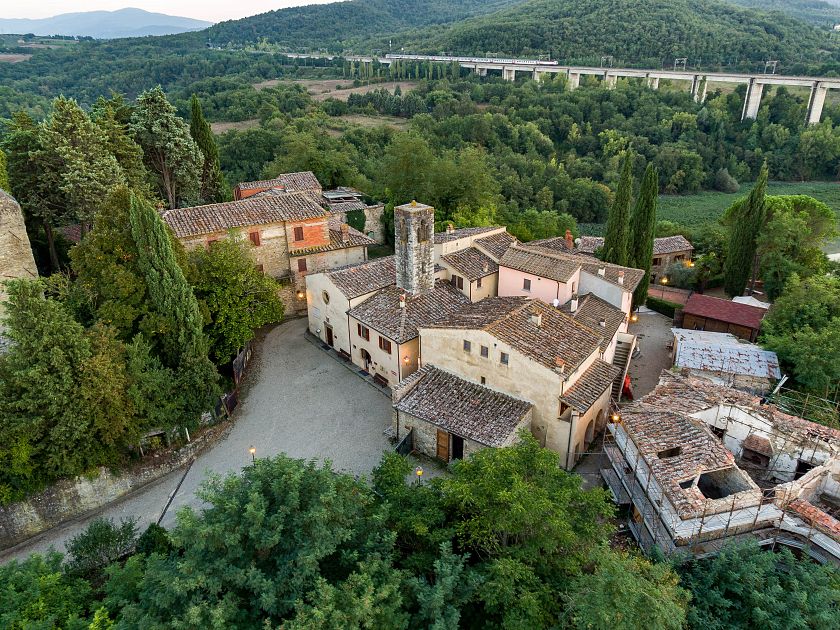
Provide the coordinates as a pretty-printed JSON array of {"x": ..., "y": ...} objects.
[{"x": 621, "y": 360}]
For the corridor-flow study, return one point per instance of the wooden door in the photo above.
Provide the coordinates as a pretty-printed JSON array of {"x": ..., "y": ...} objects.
[
  {"x": 443, "y": 445},
  {"x": 330, "y": 339}
]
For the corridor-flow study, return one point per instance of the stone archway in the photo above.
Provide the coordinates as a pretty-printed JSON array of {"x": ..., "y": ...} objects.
[{"x": 590, "y": 433}]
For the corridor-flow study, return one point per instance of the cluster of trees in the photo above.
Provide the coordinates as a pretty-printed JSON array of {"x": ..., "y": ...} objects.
[
  {"x": 127, "y": 337},
  {"x": 508, "y": 540}
]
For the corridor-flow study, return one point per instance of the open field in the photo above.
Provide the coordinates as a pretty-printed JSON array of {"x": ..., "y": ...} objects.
[
  {"x": 322, "y": 89},
  {"x": 241, "y": 125},
  {"x": 364, "y": 120},
  {"x": 13, "y": 58}
]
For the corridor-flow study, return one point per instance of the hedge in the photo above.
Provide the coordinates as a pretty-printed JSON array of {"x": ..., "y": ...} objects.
[{"x": 662, "y": 306}]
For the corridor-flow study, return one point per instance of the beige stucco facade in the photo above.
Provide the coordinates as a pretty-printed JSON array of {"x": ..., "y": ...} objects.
[
  {"x": 402, "y": 361},
  {"x": 457, "y": 244},
  {"x": 522, "y": 377},
  {"x": 489, "y": 283},
  {"x": 327, "y": 309}
]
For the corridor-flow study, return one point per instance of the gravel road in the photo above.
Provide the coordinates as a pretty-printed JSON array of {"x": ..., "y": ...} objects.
[{"x": 298, "y": 401}]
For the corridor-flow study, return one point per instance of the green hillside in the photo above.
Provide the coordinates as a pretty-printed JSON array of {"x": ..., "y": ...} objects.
[
  {"x": 636, "y": 32},
  {"x": 814, "y": 11},
  {"x": 339, "y": 25}
]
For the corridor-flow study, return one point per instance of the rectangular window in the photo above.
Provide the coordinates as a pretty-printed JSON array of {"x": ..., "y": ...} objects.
[
  {"x": 526, "y": 284},
  {"x": 483, "y": 381},
  {"x": 467, "y": 346},
  {"x": 574, "y": 287},
  {"x": 255, "y": 238},
  {"x": 478, "y": 283},
  {"x": 301, "y": 264},
  {"x": 260, "y": 268},
  {"x": 364, "y": 332},
  {"x": 457, "y": 281},
  {"x": 298, "y": 233},
  {"x": 505, "y": 359},
  {"x": 485, "y": 351},
  {"x": 384, "y": 345},
  {"x": 657, "y": 262}
]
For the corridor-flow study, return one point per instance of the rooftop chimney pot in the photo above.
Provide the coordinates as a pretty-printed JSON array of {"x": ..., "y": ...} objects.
[
  {"x": 603, "y": 323},
  {"x": 602, "y": 271},
  {"x": 620, "y": 277},
  {"x": 570, "y": 243}
]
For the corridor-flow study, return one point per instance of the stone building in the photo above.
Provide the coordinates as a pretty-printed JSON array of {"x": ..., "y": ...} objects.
[
  {"x": 699, "y": 464},
  {"x": 16, "y": 259},
  {"x": 451, "y": 418},
  {"x": 291, "y": 235},
  {"x": 304, "y": 182},
  {"x": 666, "y": 251},
  {"x": 726, "y": 360},
  {"x": 454, "y": 240},
  {"x": 532, "y": 351}
]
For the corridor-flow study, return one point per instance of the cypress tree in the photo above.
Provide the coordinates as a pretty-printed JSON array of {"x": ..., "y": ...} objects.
[
  {"x": 184, "y": 347},
  {"x": 642, "y": 229},
  {"x": 212, "y": 181},
  {"x": 615, "y": 241},
  {"x": 745, "y": 222},
  {"x": 4, "y": 176}
]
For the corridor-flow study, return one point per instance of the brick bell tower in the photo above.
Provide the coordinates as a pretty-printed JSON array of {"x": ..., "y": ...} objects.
[{"x": 414, "y": 242}]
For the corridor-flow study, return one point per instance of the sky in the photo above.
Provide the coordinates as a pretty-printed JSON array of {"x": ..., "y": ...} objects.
[{"x": 210, "y": 10}]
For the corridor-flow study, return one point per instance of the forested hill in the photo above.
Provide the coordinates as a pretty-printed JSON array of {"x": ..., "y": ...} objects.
[
  {"x": 637, "y": 32},
  {"x": 339, "y": 25},
  {"x": 819, "y": 12}
]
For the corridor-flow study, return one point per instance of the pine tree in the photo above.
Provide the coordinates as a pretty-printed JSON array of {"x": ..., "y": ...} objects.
[
  {"x": 213, "y": 184},
  {"x": 642, "y": 229},
  {"x": 745, "y": 222},
  {"x": 169, "y": 151},
  {"x": 618, "y": 221}
]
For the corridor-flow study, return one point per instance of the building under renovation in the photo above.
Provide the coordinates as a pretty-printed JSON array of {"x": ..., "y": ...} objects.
[{"x": 698, "y": 464}]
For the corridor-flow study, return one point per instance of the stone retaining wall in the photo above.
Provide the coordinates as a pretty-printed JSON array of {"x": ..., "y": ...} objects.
[{"x": 71, "y": 498}]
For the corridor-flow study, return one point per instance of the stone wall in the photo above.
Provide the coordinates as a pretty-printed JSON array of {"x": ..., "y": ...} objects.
[
  {"x": 374, "y": 227},
  {"x": 16, "y": 260},
  {"x": 71, "y": 498}
]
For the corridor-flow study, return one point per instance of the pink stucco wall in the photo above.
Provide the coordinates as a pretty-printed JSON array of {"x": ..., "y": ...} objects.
[{"x": 511, "y": 282}]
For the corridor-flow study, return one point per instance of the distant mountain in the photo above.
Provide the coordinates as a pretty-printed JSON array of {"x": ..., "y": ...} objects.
[{"x": 105, "y": 24}]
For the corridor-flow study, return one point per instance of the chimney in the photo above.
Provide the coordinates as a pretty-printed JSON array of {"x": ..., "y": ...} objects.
[
  {"x": 560, "y": 365},
  {"x": 402, "y": 300},
  {"x": 345, "y": 233},
  {"x": 555, "y": 303},
  {"x": 570, "y": 243},
  {"x": 536, "y": 319},
  {"x": 573, "y": 305},
  {"x": 486, "y": 268},
  {"x": 603, "y": 322},
  {"x": 450, "y": 228},
  {"x": 621, "y": 277},
  {"x": 602, "y": 271}
]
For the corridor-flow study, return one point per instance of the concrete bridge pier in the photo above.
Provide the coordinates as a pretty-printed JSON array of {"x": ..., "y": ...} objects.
[
  {"x": 753, "y": 100},
  {"x": 509, "y": 74},
  {"x": 574, "y": 80},
  {"x": 611, "y": 80},
  {"x": 816, "y": 102},
  {"x": 653, "y": 82},
  {"x": 699, "y": 89}
]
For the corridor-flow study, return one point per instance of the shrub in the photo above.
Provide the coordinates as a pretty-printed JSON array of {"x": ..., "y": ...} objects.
[
  {"x": 662, "y": 306},
  {"x": 100, "y": 544},
  {"x": 724, "y": 182}
]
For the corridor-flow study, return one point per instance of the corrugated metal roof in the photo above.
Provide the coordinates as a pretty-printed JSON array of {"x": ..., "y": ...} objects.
[{"x": 722, "y": 352}]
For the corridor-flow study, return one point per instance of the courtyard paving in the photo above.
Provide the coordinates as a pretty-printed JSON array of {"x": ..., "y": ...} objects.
[{"x": 296, "y": 401}]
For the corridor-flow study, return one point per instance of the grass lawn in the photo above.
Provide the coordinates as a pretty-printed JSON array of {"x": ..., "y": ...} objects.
[{"x": 695, "y": 211}]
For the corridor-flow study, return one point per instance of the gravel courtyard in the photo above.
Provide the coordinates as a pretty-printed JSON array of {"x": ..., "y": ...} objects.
[{"x": 297, "y": 400}]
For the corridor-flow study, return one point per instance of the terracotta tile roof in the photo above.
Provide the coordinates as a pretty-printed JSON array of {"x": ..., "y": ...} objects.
[
  {"x": 290, "y": 182},
  {"x": 591, "y": 311},
  {"x": 446, "y": 237},
  {"x": 458, "y": 406},
  {"x": 556, "y": 243},
  {"x": 758, "y": 444},
  {"x": 701, "y": 305},
  {"x": 657, "y": 432},
  {"x": 367, "y": 277},
  {"x": 220, "y": 217},
  {"x": 672, "y": 245},
  {"x": 495, "y": 245},
  {"x": 813, "y": 515},
  {"x": 382, "y": 312},
  {"x": 632, "y": 277},
  {"x": 665, "y": 245},
  {"x": 511, "y": 320},
  {"x": 539, "y": 262},
  {"x": 471, "y": 263},
  {"x": 591, "y": 385}
]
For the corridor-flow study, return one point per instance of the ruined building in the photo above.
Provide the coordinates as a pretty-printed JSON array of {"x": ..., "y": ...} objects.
[{"x": 16, "y": 260}]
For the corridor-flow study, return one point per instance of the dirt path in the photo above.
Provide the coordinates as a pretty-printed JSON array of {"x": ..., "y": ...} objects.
[{"x": 322, "y": 89}]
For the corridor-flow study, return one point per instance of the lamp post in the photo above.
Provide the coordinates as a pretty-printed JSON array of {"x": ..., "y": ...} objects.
[
  {"x": 253, "y": 451},
  {"x": 419, "y": 472}
]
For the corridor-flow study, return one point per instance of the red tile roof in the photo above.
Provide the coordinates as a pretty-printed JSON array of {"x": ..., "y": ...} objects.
[{"x": 725, "y": 311}]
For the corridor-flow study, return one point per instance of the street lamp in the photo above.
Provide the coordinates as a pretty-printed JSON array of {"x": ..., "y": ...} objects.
[
  {"x": 664, "y": 280},
  {"x": 253, "y": 451},
  {"x": 419, "y": 472}
]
